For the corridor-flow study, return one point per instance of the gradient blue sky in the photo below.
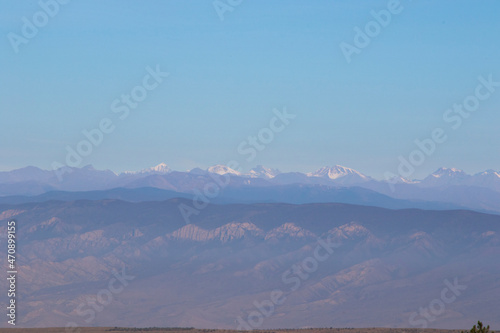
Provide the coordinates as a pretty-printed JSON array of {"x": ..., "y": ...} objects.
[{"x": 227, "y": 76}]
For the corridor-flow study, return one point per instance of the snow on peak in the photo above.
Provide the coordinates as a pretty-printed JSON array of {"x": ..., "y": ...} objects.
[
  {"x": 401, "y": 180},
  {"x": 448, "y": 172},
  {"x": 336, "y": 172},
  {"x": 490, "y": 173},
  {"x": 161, "y": 168},
  {"x": 262, "y": 172},
  {"x": 222, "y": 170},
  {"x": 447, "y": 177}
]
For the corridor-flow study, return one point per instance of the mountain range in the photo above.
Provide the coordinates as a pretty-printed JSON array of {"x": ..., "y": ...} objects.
[
  {"x": 444, "y": 189},
  {"x": 392, "y": 247},
  {"x": 336, "y": 265}
]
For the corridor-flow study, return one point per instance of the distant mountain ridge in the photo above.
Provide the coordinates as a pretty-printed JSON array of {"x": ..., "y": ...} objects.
[
  {"x": 334, "y": 173},
  {"x": 292, "y": 194},
  {"x": 446, "y": 187}
]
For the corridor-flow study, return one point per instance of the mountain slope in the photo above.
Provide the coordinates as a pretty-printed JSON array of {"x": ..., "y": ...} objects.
[{"x": 234, "y": 256}]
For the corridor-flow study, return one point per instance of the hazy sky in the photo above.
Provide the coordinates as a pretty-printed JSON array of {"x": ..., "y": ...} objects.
[{"x": 227, "y": 76}]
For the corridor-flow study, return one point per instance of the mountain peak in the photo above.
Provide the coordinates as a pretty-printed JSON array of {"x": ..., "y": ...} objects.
[
  {"x": 448, "y": 172},
  {"x": 197, "y": 171},
  {"x": 489, "y": 172},
  {"x": 262, "y": 172},
  {"x": 225, "y": 233},
  {"x": 446, "y": 177},
  {"x": 222, "y": 170},
  {"x": 161, "y": 168},
  {"x": 349, "y": 231},
  {"x": 289, "y": 230},
  {"x": 335, "y": 172}
]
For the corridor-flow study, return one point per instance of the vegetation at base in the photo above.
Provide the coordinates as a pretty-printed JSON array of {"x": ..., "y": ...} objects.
[{"x": 479, "y": 328}]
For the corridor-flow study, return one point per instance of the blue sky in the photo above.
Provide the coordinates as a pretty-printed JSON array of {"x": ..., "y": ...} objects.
[{"x": 226, "y": 77}]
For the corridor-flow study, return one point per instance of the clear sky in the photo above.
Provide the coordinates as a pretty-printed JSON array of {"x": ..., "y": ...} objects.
[{"x": 227, "y": 76}]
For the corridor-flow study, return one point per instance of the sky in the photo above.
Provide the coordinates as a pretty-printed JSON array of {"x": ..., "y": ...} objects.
[{"x": 233, "y": 66}]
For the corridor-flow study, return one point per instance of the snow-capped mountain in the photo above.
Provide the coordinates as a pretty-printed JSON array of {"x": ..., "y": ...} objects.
[
  {"x": 489, "y": 173},
  {"x": 488, "y": 178},
  {"x": 222, "y": 170},
  {"x": 160, "y": 169},
  {"x": 262, "y": 172},
  {"x": 402, "y": 180},
  {"x": 337, "y": 172},
  {"x": 446, "y": 176},
  {"x": 448, "y": 186}
]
